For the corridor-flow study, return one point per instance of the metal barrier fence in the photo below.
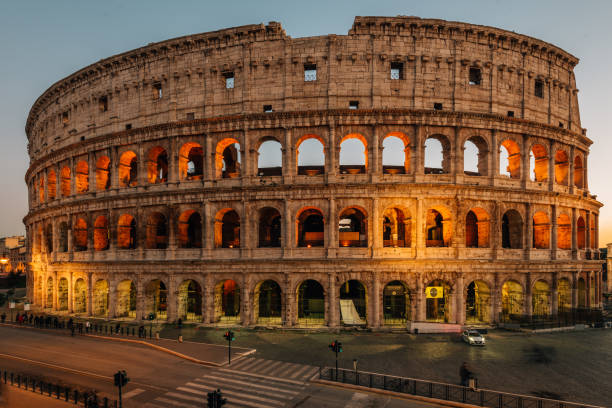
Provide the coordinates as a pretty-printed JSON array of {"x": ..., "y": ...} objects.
[
  {"x": 443, "y": 391},
  {"x": 566, "y": 317},
  {"x": 51, "y": 390}
]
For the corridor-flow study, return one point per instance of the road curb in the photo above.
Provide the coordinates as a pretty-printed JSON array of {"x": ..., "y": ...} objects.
[
  {"x": 151, "y": 345},
  {"x": 393, "y": 394}
]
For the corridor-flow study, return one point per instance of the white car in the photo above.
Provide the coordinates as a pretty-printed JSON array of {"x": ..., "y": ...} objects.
[{"x": 473, "y": 338}]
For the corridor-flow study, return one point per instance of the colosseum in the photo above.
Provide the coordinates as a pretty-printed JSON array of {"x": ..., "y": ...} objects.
[{"x": 412, "y": 171}]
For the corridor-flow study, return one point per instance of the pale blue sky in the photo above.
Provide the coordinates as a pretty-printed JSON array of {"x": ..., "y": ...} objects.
[{"x": 44, "y": 41}]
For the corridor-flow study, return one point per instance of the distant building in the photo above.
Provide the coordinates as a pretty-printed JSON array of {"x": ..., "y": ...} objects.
[{"x": 13, "y": 253}]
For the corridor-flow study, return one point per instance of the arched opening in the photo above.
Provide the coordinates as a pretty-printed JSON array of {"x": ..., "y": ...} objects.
[
  {"x": 396, "y": 228},
  {"x": 475, "y": 157},
  {"x": 561, "y": 167},
  {"x": 270, "y": 158},
  {"x": 49, "y": 299},
  {"x": 82, "y": 177},
  {"x": 437, "y": 155},
  {"x": 478, "y": 303},
  {"x": 353, "y": 154},
  {"x": 353, "y": 303},
  {"x": 227, "y": 301},
  {"x": 564, "y": 232},
  {"x": 268, "y": 306},
  {"x": 227, "y": 161},
  {"x": 63, "y": 237},
  {"x": 80, "y": 235},
  {"x": 352, "y": 228},
  {"x": 62, "y": 294},
  {"x": 512, "y": 230},
  {"x": 103, "y": 179},
  {"x": 438, "y": 305},
  {"x": 79, "y": 295},
  {"x": 581, "y": 233},
  {"x": 65, "y": 181},
  {"x": 512, "y": 301},
  {"x": 101, "y": 234},
  {"x": 157, "y": 231},
  {"x": 510, "y": 159},
  {"x": 396, "y": 304},
  {"x": 541, "y": 231},
  {"x": 310, "y": 156},
  {"x": 227, "y": 229},
  {"x": 538, "y": 163},
  {"x": 311, "y": 303},
  {"x": 438, "y": 229},
  {"x": 191, "y": 161},
  {"x": 477, "y": 227},
  {"x": 126, "y": 299},
  {"x": 156, "y": 298},
  {"x": 578, "y": 172},
  {"x": 49, "y": 238},
  {"x": 157, "y": 165},
  {"x": 396, "y": 154},
  {"x": 582, "y": 293},
  {"x": 269, "y": 227},
  {"x": 190, "y": 229},
  {"x": 190, "y": 301},
  {"x": 100, "y": 298},
  {"x": 540, "y": 300},
  {"x": 52, "y": 184},
  {"x": 311, "y": 228},
  {"x": 564, "y": 293},
  {"x": 128, "y": 169},
  {"x": 41, "y": 190},
  {"x": 126, "y": 232}
]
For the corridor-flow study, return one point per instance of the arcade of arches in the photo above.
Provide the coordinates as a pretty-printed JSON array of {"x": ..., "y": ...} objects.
[{"x": 319, "y": 301}]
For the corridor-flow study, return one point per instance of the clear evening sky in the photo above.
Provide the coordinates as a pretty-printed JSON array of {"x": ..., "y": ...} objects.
[{"x": 44, "y": 41}]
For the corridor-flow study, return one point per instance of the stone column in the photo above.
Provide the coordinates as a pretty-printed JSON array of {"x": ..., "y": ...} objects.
[
  {"x": 72, "y": 177},
  {"x": 208, "y": 227},
  {"x": 493, "y": 154},
  {"x": 588, "y": 289},
  {"x": 209, "y": 159},
  {"x": 575, "y": 290},
  {"x": 374, "y": 230},
  {"x": 528, "y": 297},
  {"x": 142, "y": 167},
  {"x": 290, "y": 314},
  {"x": 421, "y": 300},
  {"x": 140, "y": 298},
  {"x": 173, "y": 159},
  {"x": 528, "y": 230},
  {"x": 289, "y": 160},
  {"x": 456, "y": 155},
  {"x": 288, "y": 239},
  {"x": 333, "y": 315},
  {"x": 113, "y": 167},
  {"x": 246, "y": 306},
  {"x": 172, "y": 301},
  {"x": 553, "y": 232},
  {"x": 90, "y": 294},
  {"x": 112, "y": 299},
  {"x": 585, "y": 172},
  {"x": 554, "y": 310},
  {"x": 172, "y": 219},
  {"x": 525, "y": 161},
  {"x": 572, "y": 155},
  {"x": 91, "y": 160},
  {"x": 331, "y": 153},
  {"x": 416, "y": 150},
  {"x": 587, "y": 228},
  {"x": 248, "y": 159},
  {"x": 208, "y": 302},
  {"x": 574, "y": 234},
  {"x": 71, "y": 292},
  {"x": 419, "y": 227},
  {"x": 376, "y": 300},
  {"x": 332, "y": 225},
  {"x": 374, "y": 159},
  {"x": 460, "y": 300},
  {"x": 551, "y": 165}
]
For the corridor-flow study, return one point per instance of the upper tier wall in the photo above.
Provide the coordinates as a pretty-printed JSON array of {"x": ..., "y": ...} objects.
[{"x": 184, "y": 78}]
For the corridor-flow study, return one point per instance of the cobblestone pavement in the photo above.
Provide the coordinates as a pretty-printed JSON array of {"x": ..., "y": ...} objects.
[{"x": 573, "y": 366}]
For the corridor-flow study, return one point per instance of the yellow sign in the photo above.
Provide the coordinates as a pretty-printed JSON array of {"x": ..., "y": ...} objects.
[{"x": 434, "y": 292}]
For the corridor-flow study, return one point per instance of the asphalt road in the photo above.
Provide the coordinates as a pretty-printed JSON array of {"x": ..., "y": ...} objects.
[{"x": 90, "y": 363}]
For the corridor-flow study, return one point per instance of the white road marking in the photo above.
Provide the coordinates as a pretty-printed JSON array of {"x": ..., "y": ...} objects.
[
  {"x": 283, "y": 380},
  {"x": 133, "y": 393},
  {"x": 176, "y": 403},
  {"x": 249, "y": 384},
  {"x": 358, "y": 400},
  {"x": 230, "y": 393}
]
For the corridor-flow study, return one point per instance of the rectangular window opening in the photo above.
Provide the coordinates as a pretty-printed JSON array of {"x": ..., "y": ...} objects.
[
  {"x": 103, "y": 104},
  {"x": 157, "y": 88},
  {"x": 539, "y": 88},
  {"x": 353, "y": 104},
  {"x": 310, "y": 72},
  {"x": 475, "y": 76},
  {"x": 128, "y": 126},
  {"x": 190, "y": 115},
  {"x": 267, "y": 108},
  {"x": 229, "y": 80},
  {"x": 65, "y": 118},
  {"x": 510, "y": 114},
  {"x": 437, "y": 106},
  {"x": 561, "y": 125},
  {"x": 397, "y": 70}
]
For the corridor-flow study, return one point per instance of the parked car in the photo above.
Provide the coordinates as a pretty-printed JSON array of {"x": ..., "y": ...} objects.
[{"x": 473, "y": 338}]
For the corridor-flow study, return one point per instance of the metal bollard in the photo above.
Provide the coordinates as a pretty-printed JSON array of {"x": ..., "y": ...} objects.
[
  {"x": 57, "y": 391},
  {"x": 105, "y": 402},
  {"x": 67, "y": 393},
  {"x": 76, "y": 396},
  {"x": 19, "y": 380}
]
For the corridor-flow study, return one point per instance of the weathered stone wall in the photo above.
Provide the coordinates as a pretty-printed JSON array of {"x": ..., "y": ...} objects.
[{"x": 120, "y": 224}]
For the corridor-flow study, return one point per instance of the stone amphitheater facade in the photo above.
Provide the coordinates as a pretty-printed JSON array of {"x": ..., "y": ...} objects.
[{"x": 149, "y": 192}]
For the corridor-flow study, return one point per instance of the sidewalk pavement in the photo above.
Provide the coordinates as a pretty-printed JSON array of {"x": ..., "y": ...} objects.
[{"x": 13, "y": 397}]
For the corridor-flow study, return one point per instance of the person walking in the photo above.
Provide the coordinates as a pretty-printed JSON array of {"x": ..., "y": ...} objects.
[
  {"x": 464, "y": 373},
  {"x": 3, "y": 317},
  {"x": 87, "y": 327}
]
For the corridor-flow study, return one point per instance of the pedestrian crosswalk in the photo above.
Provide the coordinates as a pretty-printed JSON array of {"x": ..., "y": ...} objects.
[
  {"x": 280, "y": 369},
  {"x": 251, "y": 383}
]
